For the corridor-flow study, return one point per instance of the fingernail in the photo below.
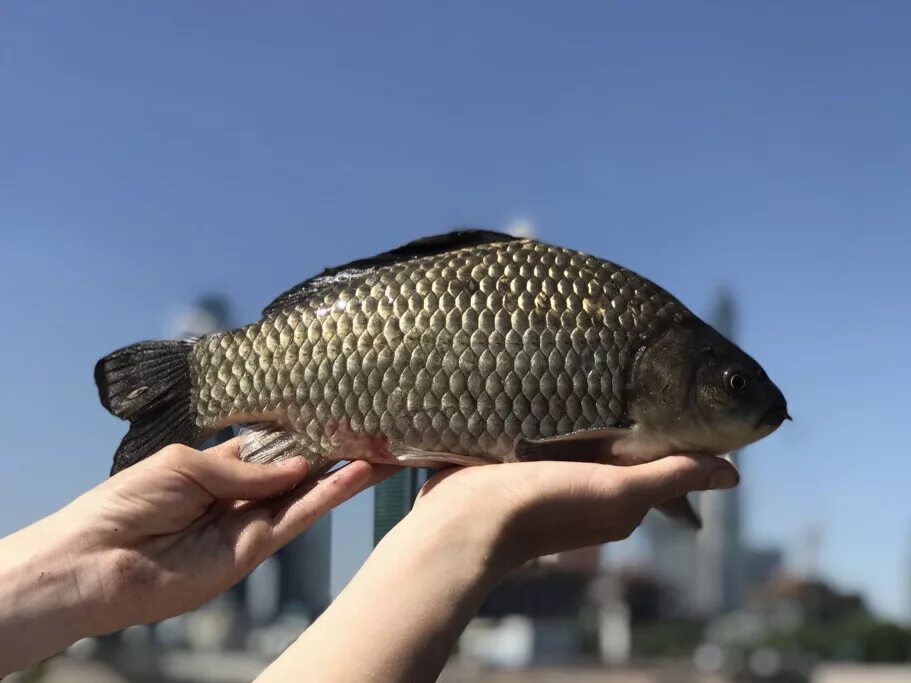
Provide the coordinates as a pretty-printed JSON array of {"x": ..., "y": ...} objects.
[{"x": 724, "y": 478}]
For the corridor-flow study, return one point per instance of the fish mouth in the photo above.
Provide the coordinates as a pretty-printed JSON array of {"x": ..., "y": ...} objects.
[{"x": 774, "y": 416}]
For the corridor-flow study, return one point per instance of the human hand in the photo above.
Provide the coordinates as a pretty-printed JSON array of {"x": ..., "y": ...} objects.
[
  {"x": 177, "y": 529},
  {"x": 156, "y": 540},
  {"x": 521, "y": 511},
  {"x": 468, "y": 528}
]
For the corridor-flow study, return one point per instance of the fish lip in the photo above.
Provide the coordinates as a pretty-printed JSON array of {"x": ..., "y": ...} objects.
[{"x": 774, "y": 416}]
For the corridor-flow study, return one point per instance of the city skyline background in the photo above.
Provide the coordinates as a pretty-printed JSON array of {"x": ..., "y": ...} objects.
[{"x": 154, "y": 153}]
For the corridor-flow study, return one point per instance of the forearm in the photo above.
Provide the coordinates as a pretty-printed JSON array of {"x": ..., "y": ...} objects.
[
  {"x": 43, "y": 602},
  {"x": 401, "y": 615}
]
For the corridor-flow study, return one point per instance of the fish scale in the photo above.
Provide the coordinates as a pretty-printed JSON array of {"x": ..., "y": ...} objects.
[{"x": 462, "y": 352}]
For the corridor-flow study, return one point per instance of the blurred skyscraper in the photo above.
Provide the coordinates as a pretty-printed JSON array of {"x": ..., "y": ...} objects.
[
  {"x": 209, "y": 314},
  {"x": 393, "y": 499},
  {"x": 675, "y": 562},
  {"x": 761, "y": 565}
]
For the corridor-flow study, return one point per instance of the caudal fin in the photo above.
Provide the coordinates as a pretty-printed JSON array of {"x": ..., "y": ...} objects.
[{"x": 148, "y": 384}]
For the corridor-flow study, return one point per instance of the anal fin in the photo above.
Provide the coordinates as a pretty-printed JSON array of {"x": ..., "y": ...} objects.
[{"x": 266, "y": 442}]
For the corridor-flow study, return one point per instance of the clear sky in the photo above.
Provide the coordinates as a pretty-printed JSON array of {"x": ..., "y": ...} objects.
[{"x": 150, "y": 152}]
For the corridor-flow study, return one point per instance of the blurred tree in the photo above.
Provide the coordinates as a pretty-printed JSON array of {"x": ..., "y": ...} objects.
[
  {"x": 860, "y": 637},
  {"x": 664, "y": 638}
]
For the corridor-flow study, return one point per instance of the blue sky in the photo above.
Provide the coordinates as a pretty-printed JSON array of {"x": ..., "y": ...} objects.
[{"x": 150, "y": 152}]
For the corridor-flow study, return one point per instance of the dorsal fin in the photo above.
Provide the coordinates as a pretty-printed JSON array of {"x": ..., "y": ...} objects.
[{"x": 425, "y": 246}]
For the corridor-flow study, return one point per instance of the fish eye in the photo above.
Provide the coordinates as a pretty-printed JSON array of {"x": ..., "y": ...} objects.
[{"x": 735, "y": 380}]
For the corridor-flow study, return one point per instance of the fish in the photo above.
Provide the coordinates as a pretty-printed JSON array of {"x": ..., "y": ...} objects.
[{"x": 466, "y": 348}]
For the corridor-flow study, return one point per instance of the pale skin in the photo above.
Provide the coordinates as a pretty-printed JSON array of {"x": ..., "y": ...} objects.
[
  {"x": 158, "y": 539},
  {"x": 403, "y": 612},
  {"x": 171, "y": 532}
]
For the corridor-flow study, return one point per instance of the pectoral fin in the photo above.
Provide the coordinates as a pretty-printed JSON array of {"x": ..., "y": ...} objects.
[
  {"x": 591, "y": 445},
  {"x": 681, "y": 510},
  {"x": 415, "y": 457}
]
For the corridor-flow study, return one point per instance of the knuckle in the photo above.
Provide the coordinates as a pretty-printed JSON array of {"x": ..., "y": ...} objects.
[
  {"x": 252, "y": 548},
  {"x": 175, "y": 454}
]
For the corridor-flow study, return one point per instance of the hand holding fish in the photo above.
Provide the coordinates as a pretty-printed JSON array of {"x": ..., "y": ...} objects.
[
  {"x": 405, "y": 609},
  {"x": 536, "y": 509},
  {"x": 153, "y": 542}
]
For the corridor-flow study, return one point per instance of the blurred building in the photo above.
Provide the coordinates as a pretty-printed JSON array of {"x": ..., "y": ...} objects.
[
  {"x": 761, "y": 565},
  {"x": 810, "y": 599},
  {"x": 675, "y": 562},
  {"x": 393, "y": 498},
  {"x": 536, "y": 615}
]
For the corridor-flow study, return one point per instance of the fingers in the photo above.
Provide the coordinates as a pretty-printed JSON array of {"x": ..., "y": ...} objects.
[
  {"x": 230, "y": 449},
  {"x": 676, "y": 475},
  {"x": 260, "y": 529},
  {"x": 226, "y": 478},
  {"x": 305, "y": 506}
]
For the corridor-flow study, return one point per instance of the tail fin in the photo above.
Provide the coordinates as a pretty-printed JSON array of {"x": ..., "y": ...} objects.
[{"x": 148, "y": 384}]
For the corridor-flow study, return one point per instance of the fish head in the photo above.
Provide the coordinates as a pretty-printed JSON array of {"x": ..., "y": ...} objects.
[{"x": 693, "y": 390}]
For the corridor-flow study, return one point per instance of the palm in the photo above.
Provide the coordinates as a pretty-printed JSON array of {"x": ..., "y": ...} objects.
[
  {"x": 555, "y": 506},
  {"x": 183, "y": 527}
]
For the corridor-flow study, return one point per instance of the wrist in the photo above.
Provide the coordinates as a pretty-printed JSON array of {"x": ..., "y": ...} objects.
[
  {"x": 421, "y": 585},
  {"x": 477, "y": 545},
  {"x": 48, "y": 599}
]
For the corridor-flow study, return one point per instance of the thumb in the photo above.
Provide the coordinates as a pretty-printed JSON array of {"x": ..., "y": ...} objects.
[
  {"x": 676, "y": 475},
  {"x": 230, "y": 479}
]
